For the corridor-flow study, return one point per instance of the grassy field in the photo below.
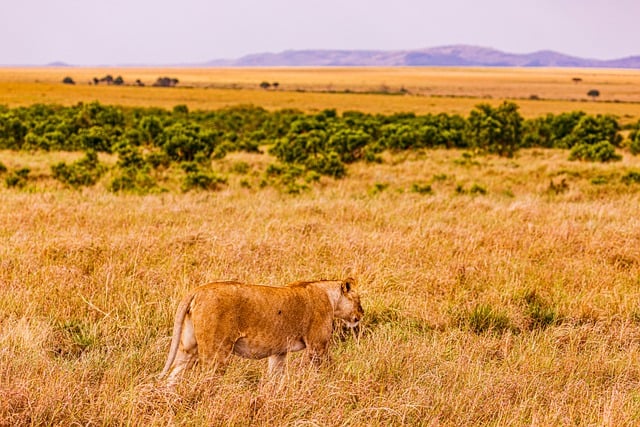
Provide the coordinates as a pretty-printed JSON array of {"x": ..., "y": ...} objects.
[
  {"x": 497, "y": 291},
  {"x": 373, "y": 90},
  {"x": 506, "y": 295}
]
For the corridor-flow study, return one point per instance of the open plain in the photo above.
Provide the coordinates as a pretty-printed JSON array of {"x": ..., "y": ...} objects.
[
  {"x": 370, "y": 90},
  {"x": 497, "y": 291}
]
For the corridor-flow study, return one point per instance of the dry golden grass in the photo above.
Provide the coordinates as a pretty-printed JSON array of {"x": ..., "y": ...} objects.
[
  {"x": 89, "y": 282},
  {"x": 431, "y": 90}
]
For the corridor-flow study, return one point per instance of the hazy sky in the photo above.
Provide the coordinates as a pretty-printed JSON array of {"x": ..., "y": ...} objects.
[{"x": 112, "y": 32}]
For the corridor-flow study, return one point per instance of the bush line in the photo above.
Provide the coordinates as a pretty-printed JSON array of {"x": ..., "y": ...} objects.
[{"x": 305, "y": 145}]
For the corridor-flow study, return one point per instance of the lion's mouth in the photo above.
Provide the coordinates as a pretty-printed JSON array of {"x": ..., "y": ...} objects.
[{"x": 352, "y": 323}]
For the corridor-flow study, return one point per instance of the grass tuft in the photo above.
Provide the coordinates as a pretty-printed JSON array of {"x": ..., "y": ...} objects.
[{"x": 483, "y": 318}]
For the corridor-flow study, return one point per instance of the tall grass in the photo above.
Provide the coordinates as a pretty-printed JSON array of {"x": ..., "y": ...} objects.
[{"x": 514, "y": 307}]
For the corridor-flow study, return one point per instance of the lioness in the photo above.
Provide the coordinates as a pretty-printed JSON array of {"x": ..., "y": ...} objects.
[{"x": 219, "y": 319}]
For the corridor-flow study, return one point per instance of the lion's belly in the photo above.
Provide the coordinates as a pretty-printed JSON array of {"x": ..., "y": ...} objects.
[{"x": 259, "y": 348}]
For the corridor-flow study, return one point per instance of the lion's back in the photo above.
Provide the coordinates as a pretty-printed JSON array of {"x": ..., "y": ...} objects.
[{"x": 242, "y": 308}]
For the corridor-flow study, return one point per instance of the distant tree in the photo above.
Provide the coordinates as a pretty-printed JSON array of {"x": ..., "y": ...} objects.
[
  {"x": 576, "y": 79},
  {"x": 68, "y": 81},
  {"x": 275, "y": 85},
  {"x": 166, "y": 82},
  {"x": 593, "y": 93},
  {"x": 139, "y": 82},
  {"x": 265, "y": 85},
  {"x": 108, "y": 79},
  {"x": 119, "y": 81}
]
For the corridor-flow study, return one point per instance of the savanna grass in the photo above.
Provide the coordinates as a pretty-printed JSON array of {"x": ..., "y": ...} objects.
[{"x": 89, "y": 281}]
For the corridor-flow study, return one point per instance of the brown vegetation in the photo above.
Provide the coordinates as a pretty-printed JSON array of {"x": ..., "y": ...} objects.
[{"x": 513, "y": 306}]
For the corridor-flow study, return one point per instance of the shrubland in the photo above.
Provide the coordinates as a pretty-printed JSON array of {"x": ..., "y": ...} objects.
[
  {"x": 499, "y": 277},
  {"x": 153, "y": 145}
]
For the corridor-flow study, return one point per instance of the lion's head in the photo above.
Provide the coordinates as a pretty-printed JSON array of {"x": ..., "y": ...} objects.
[{"x": 348, "y": 306}]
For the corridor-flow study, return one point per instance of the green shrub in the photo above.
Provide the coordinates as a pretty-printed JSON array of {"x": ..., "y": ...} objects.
[
  {"x": 348, "y": 143},
  {"x": 591, "y": 130},
  {"x": 158, "y": 160},
  {"x": 378, "y": 188},
  {"x": 150, "y": 127},
  {"x": 421, "y": 188},
  {"x": 83, "y": 172},
  {"x": 3, "y": 168},
  {"x": 602, "y": 151},
  {"x": 198, "y": 178},
  {"x": 312, "y": 176},
  {"x": 631, "y": 177},
  {"x": 184, "y": 140},
  {"x": 222, "y": 149},
  {"x": 399, "y": 136},
  {"x": 17, "y": 178},
  {"x": 634, "y": 140},
  {"x": 33, "y": 142},
  {"x": 94, "y": 138},
  {"x": 477, "y": 189},
  {"x": 599, "y": 180},
  {"x": 467, "y": 159},
  {"x": 634, "y": 145},
  {"x": 12, "y": 130},
  {"x": 286, "y": 177},
  {"x": 180, "y": 109},
  {"x": 133, "y": 181},
  {"x": 495, "y": 130},
  {"x": 327, "y": 164},
  {"x": 240, "y": 168}
]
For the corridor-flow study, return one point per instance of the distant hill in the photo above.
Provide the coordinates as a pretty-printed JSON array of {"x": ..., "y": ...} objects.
[
  {"x": 456, "y": 55},
  {"x": 58, "y": 64}
]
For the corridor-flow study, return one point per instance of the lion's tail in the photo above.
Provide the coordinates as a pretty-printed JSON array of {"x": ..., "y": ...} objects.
[{"x": 181, "y": 313}]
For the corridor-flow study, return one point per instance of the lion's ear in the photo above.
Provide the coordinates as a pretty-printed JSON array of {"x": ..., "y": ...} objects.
[{"x": 348, "y": 284}]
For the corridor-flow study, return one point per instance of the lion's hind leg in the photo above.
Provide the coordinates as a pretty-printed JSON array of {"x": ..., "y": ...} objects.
[
  {"x": 187, "y": 355},
  {"x": 215, "y": 352}
]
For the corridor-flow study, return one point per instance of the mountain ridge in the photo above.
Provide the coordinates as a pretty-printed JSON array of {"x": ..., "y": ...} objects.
[{"x": 451, "y": 55}]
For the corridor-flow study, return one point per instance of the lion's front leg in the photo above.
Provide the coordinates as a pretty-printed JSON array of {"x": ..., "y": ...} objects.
[
  {"x": 317, "y": 341},
  {"x": 276, "y": 364},
  {"x": 318, "y": 352}
]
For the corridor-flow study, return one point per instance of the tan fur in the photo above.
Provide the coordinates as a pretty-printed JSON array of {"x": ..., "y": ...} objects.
[{"x": 219, "y": 319}]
